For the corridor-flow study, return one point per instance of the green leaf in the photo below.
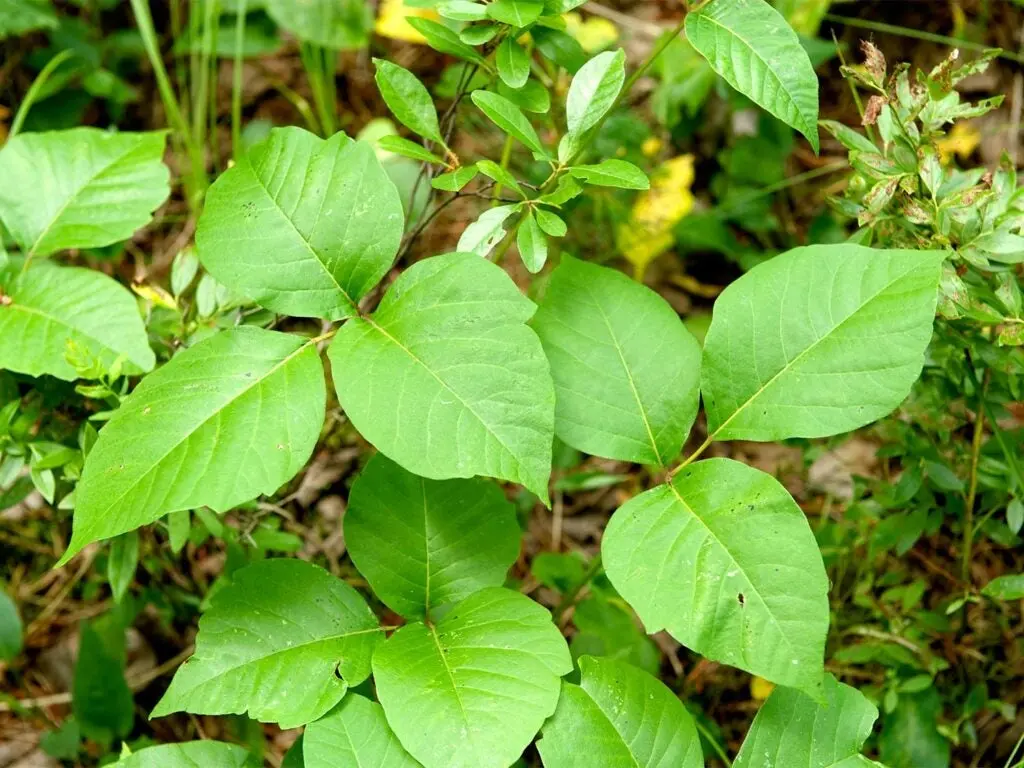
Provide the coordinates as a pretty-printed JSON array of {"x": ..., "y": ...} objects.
[
  {"x": 212, "y": 754},
  {"x": 456, "y": 180},
  {"x": 20, "y": 16},
  {"x": 472, "y": 690},
  {"x": 46, "y": 307},
  {"x": 101, "y": 699},
  {"x": 723, "y": 558},
  {"x": 533, "y": 246},
  {"x": 550, "y": 223},
  {"x": 338, "y": 24},
  {"x": 444, "y": 40},
  {"x": 408, "y": 99},
  {"x": 301, "y": 225},
  {"x": 486, "y": 232},
  {"x": 752, "y": 47},
  {"x": 507, "y": 116},
  {"x": 233, "y": 417},
  {"x": 407, "y": 148},
  {"x": 10, "y": 628},
  {"x": 532, "y": 97},
  {"x": 1009, "y": 587},
  {"x": 462, "y": 10},
  {"x": 910, "y": 738},
  {"x": 561, "y": 6},
  {"x": 606, "y": 626},
  {"x": 592, "y": 94},
  {"x": 612, "y": 173},
  {"x": 518, "y": 13},
  {"x": 848, "y": 137},
  {"x": 624, "y": 715},
  {"x": 796, "y": 730},
  {"x": 566, "y": 189},
  {"x": 492, "y": 170},
  {"x": 354, "y": 734},
  {"x": 818, "y": 341},
  {"x": 82, "y": 188},
  {"x": 122, "y": 562},
  {"x": 513, "y": 62},
  {"x": 469, "y": 390},
  {"x": 425, "y": 543},
  {"x": 283, "y": 642},
  {"x": 626, "y": 370}
]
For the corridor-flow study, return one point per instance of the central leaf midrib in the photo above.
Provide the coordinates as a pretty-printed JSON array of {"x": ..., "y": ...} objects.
[
  {"x": 622, "y": 738},
  {"x": 813, "y": 345},
  {"x": 280, "y": 651},
  {"x": 202, "y": 423},
  {"x": 770, "y": 70},
  {"x": 721, "y": 544},
  {"x": 629, "y": 377},
  {"x": 74, "y": 196},
  {"x": 384, "y": 332},
  {"x": 316, "y": 256},
  {"x": 33, "y": 311}
]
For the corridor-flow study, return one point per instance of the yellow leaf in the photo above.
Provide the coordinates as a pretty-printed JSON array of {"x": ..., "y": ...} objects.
[
  {"x": 648, "y": 233},
  {"x": 594, "y": 35},
  {"x": 391, "y": 21},
  {"x": 760, "y": 689},
  {"x": 961, "y": 141},
  {"x": 156, "y": 295}
]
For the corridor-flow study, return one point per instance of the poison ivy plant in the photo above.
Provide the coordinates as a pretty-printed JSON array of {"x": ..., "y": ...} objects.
[
  {"x": 190, "y": 755},
  {"x": 723, "y": 558},
  {"x": 425, "y": 543},
  {"x": 456, "y": 379},
  {"x": 626, "y": 371},
  {"x": 81, "y": 188},
  {"x": 793, "y": 729},
  {"x": 278, "y": 226},
  {"x": 46, "y": 307},
  {"x": 814, "y": 362},
  {"x": 474, "y": 688},
  {"x": 232, "y": 417},
  {"x": 355, "y": 733},
  {"x": 283, "y": 642},
  {"x": 623, "y": 715},
  {"x": 466, "y": 380}
]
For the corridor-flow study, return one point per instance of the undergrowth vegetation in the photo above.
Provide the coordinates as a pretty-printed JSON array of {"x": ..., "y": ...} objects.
[{"x": 310, "y": 405}]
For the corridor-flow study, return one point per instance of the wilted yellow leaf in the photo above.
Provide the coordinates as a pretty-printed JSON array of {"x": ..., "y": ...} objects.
[
  {"x": 595, "y": 34},
  {"x": 648, "y": 233},
  {"x": 961, "y": 141},
  {"x": 760, "y": 689},
  {"x": 391, "y": 21}
]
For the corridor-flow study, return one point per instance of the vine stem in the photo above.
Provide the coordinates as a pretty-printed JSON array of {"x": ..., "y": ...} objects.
[
  {"x": 236, "y": 83},
  {"x": 972, "y": 487},
  {"x": 35, "y": 88},
  {"x": 569, "y": 598}
]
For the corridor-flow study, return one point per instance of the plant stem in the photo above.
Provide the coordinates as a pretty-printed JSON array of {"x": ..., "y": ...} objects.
[
  {"x": 972, "y": 487},
  {"x": 917, "y": 34},
  {"x": 569, "y": 598},
  {"x": 144, "y": 22},
  {"x": 35, "y": 88},
  {"x": 506, "y": 157},
  {"x": 719, "y": 749},
  {"x": 236, "y": 83}
]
